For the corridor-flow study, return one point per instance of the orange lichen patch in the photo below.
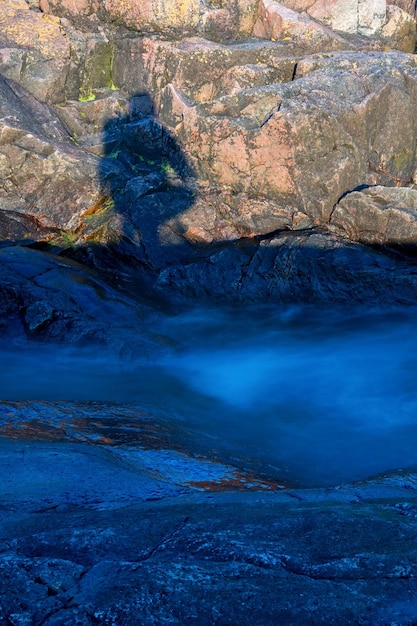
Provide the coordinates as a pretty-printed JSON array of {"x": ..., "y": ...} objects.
[
  {"x": 238, "y": 481},
  {"x": 98, "y": 206},
  {"x": 34, "y": 431},
  {"x": 163, "y": 451},
  {"x": 144, "y": 436},
  {"x": 115, "y": 432},
  {"x": 32, "y": 30},
  {"x": 105, "y": 441}
]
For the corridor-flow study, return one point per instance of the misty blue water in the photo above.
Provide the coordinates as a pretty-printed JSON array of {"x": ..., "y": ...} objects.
[{"x": 313, "y": 396}]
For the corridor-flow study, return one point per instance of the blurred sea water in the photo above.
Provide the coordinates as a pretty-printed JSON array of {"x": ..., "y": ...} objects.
[{"x": 317, "y": 396}]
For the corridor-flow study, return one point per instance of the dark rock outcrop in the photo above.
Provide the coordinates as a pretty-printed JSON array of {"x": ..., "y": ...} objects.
[
  {"x": 296, "y": 267},
  {"x": 44, "y": 297}
]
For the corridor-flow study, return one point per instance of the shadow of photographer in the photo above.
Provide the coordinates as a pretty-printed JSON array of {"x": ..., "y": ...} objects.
[{"x": 147, "y": 183}]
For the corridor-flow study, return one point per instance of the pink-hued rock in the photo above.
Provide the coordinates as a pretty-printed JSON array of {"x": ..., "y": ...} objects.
[
  {"x": 303, "y": 144},
  {"x": 371, "y": 16},
  {"x": 204, "y": 71},
  {"x": 276, "y": 129},
  {"x": 156, "y": 15},
  {"x": 378, "y": 215},
  {"x": 72, "y": 7},
  {"x": 46, "y": 182},
  {"x": 375, "y": 18},
  {"x": 56, "y": 64},
  {"x": 169, "y": 17},
  {"x": 365, "y": 17},
  {"x": 400, "y": 29},
  {"x": 305, "y": 21},
  {"x": 405, "y": 5},
  {"x": 277, "y": 22},
  {"x": 39, "y": 62}
]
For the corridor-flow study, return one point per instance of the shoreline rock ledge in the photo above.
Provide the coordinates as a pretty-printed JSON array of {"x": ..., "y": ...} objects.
[{"x": 98, "y": 528}]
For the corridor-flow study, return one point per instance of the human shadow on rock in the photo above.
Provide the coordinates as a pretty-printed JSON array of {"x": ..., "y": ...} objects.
[
  {"x": 133, "y": 228},
  {"x": 147, "y": 181}
]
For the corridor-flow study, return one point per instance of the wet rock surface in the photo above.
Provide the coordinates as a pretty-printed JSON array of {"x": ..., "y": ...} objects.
[
  {"x": 85, "y": 538},
  {"x": 48, "y": 298},
  {"x": 166, "y": 452}
]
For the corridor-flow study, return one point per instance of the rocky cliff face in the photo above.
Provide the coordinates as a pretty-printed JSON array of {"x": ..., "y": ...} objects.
[{"x": 188, "y": 141}]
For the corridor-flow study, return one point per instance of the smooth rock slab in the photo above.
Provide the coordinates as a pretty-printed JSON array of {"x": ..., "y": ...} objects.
[
  {"x": 51, "y": 475},
  {"x": 157, "y": 455}
]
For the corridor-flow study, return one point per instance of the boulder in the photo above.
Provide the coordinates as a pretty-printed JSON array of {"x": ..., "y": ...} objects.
[
  {"x": 378, "y": 215},
  {"x": 40, "y": 63},
  {"x": 362, "y": 16},
  {"x": 399, "y": 31},
  {"x": 73, "y": 8},
  {"x": 277, "y": 22},
  {"x": 406, "y": 5},
  {"x": 204, "y": 71},
  {"x": 365, "y": 17},
  {"x": 305, "y": 143},
  {"x": 61, "y": 62},
  {"x": 393, "y": 25},
  {"x": 44, "y": 177}
]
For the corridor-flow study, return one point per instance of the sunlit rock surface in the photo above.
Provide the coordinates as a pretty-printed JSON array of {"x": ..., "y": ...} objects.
[
  {"x": 155, "y": 148},
  {"x": 378, "y": 215}
]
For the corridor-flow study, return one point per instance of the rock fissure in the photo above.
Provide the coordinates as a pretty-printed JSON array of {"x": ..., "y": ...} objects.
[
  {"x": 161, "y": 545},
  {"x": 53, "y": 614},
  {"x": 271, "y": 115}
]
